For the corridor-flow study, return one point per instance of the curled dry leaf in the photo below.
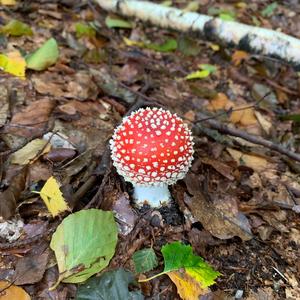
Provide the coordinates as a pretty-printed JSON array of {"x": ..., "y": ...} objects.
[{"x": 216, "y": 221}]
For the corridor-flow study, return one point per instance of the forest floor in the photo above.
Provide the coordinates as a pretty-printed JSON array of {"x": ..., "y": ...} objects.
[{"x": 238, "y": 207}]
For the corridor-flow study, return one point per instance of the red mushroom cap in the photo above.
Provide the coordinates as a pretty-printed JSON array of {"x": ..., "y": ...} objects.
[{"x": 152, "y": 147}]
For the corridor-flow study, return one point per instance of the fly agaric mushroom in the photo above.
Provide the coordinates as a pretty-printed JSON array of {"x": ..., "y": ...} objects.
[{"x": 152, "y": 148}]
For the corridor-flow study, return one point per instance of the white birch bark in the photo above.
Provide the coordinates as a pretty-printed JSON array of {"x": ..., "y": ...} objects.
[{"x": 250, "y": 38}]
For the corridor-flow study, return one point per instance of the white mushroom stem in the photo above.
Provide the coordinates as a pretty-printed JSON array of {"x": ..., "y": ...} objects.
[
  {"x": 250, "y": 38},
  {"x": 155, "y": 196}
]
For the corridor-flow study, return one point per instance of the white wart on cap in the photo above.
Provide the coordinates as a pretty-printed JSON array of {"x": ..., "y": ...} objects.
[{"x": 152, "y": 148}]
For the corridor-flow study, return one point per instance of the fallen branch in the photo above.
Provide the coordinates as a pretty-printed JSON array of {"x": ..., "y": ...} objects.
[
  {"x": 223, "y": 128},
  {"x": 250, "y": 38}
]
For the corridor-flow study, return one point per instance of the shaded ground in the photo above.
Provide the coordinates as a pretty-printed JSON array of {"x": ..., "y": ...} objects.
[{"x": 238, "y": 206}]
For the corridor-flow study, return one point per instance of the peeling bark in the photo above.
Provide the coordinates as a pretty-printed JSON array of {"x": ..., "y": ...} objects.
[{"x": 250, "y": 38}]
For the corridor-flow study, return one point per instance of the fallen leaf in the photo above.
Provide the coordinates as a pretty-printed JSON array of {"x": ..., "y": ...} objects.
[
  {"x": 8, "y": 2},
  {"x": 16, "y": 28},
  {"x": 124, "y": 214},
  {"x": 216, "y": 222},
  {"x": 10, "y": 197},
  {"x": 13, "y": 63},
  {"x": 243, "y": 116},
  {"x": 254, "y": 162},
  {"x": 30, "y": 152},
  {"x": 238, "y": 56},
  {"x": 264, "y": 122},
  {"x": 31, "y": 120},
  {"x": 144, "y": 260},
  {"x": 117, "y": 22},
  {"x": 110, "y": 285},
  {"x": 179, "y": 256},
  {"x": 220, "y": 167},
  {"x": 205, "y": 71},
  {"x": 12, "y": 292},
  {"x": 30, "y": 269},
  {"x": 220, "y": 101},
  {"x": 83, "y": 29},
  {"x": 53, "y": 197},
  {"x": 187, "y": 287},
  {"x": 44, "y": 57},
  {"x": 83, "y": 244}
]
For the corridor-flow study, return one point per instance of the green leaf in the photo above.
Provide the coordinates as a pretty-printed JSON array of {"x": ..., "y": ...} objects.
[
  {"x": 110, "y": 285},
  {"x": 205, "y": 71},
  {"x": 226, "y": 17},
  {"x": 177, "y": 255},
  {"x": 168, "y": 46},
  {"x": 269, "y": 10},
  {"x": 83, "y": 29},
  {"x": 116, "y": 22},
  {"x": 208, "y": 67},
  {"x": 83, "y": 244},
  {"x": 144, "y": 260},
  {"x": 188, "y": 46},
  {"x": 16, "y": 28},
  {"x": 295, "y": 118},
  {"x": 43, "y": 57}
]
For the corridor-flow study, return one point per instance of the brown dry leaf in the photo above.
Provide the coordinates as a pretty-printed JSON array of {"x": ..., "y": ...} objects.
[
  {"x": 188, "y": 288},
  {"x": 262, "y": 294},
  {"x": 124, "y": 214},
  {"x": 30, "y": 269},
  {"x": 244, "y": 117},
  {"x": 254, "y": 162},
  {"x": 220, "y": 101},
  {"x": 220, "y": 167},
  {"x": 219, "y": 223},
  {"x": 238, "y": 56},
  {"x": 12, "y": 292},
  {"x": 10, "y": 197},
  {"x": 264, "y": 122},
  {"x": 31, "y": 120},
  {"x": 43, "y": 85},
  {"x": 82, "y": 87}
]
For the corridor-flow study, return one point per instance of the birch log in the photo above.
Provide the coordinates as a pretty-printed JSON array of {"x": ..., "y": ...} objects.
[{"x": 250, "y": 38}]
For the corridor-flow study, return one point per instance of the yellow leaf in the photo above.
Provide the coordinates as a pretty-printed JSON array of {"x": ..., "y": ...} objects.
[
  {"x": 53, "y": 197},
  {"x": 12, "y": 292},
  {"x": 254, "y": 162},
  {"x": 129, "y": 42},
  {"x": 238, "y": 56},
  {"x": 220, "y": 101},
  {"x": 8, "y": 2},
  {"x": 13, "y": 63},
  {"x": 215, "y": 47},
  {"x": 30, "y": 152},
  {"x": 188, "y": 288},
  {"x": 244, "y": 117}
]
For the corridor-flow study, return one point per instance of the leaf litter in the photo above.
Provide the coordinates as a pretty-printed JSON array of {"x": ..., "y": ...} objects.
[{"x": 70, "y": 74}]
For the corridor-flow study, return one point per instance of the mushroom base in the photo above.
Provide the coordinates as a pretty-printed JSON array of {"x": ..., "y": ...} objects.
[{"x": 155, "y": 196}]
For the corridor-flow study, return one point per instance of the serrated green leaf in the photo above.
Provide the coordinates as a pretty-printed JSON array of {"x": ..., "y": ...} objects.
[
  {"x": 269, "y": 10},
  {"x": 43, "y": 57},
  {"x": 16, "y": 28},
  {"x": 110, "y": 285},
  {"x": 83, "y": 244},
  {"x": 144, "y": 260},
  {"x": 177, "y": 255},
  {"x": 83, "y": 29},
  {"x": 116, "y": 22}
]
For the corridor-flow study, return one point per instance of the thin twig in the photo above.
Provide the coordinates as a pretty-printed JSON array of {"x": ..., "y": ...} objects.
[{"x": 248, "y": 137}]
